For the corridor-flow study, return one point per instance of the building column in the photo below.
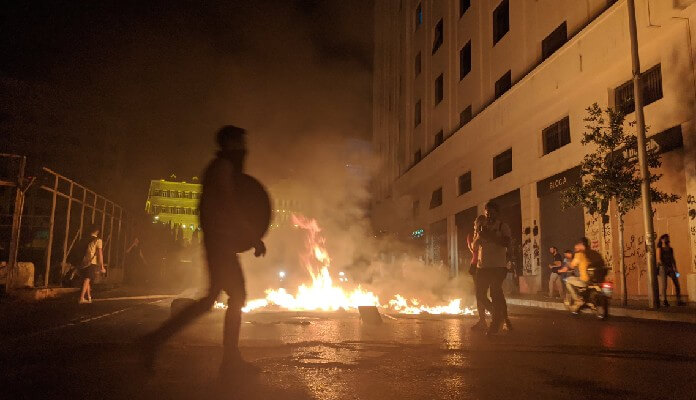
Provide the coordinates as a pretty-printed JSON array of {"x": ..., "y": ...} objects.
[
  {"x": 530, "y": 281},
  {"x": 452, "y": 246},
  {"x": 688, "y": 130}
]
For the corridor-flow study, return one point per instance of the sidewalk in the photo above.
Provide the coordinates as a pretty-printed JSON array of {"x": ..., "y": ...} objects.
[{"x": 635, "y": 309}]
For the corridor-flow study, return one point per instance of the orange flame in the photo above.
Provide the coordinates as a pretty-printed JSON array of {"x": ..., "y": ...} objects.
[{"x": 323, "y": 295}]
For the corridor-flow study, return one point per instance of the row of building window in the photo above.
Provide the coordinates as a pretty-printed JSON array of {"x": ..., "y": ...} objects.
[
  {"x": 157, "y": 209},
  {"x": 176, "y": 194},
  {"x": 502, "y": 164},
  {"x": 557, "y": 134}
]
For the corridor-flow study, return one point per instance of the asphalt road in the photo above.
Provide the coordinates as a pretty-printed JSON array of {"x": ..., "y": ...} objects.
[{"x": 60, "y": 350}]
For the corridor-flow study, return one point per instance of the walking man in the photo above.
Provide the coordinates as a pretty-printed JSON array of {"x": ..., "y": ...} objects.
[
  {"x": 89, "y": 249},
  {"x": 222, "y": 225},
  {"x": 493, "y": 241}
]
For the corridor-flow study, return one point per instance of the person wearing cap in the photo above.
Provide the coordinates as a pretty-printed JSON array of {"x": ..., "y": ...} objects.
[{"x": 221, "y": 226}]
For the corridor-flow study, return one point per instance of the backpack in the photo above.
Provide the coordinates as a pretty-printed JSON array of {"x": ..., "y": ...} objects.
[{"x": 79, "y": 256}]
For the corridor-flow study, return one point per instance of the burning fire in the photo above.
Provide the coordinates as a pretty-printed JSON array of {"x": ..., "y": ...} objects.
[{"x": 323, "y": 295}]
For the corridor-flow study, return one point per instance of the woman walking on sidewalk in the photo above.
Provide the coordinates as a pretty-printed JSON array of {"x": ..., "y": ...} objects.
[{"x": 668, "y": 268}]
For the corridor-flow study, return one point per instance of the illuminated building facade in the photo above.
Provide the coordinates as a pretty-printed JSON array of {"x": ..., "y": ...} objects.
[
  {"x": 485, "y": 99},
  {"x": 174, "y": 202}
]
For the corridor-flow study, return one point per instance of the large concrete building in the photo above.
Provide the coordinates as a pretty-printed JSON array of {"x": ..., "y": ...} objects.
[{"x": 485, "y": 99}]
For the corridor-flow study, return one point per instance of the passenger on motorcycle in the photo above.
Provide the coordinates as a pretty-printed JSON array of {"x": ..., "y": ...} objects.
[{"x": 584, "y": 258}]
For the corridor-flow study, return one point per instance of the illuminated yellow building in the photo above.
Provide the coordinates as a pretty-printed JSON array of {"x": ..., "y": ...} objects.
[{"x": 175, "y": 203}]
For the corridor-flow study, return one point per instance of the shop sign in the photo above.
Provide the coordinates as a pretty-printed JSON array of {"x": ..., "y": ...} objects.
[{"x": 558, "y": 182}]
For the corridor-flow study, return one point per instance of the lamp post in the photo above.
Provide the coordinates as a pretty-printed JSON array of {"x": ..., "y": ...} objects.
[{"x": 653, "y": 298}]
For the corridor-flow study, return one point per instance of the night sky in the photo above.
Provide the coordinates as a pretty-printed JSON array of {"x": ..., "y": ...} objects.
[{"x": 115, "y": 93}]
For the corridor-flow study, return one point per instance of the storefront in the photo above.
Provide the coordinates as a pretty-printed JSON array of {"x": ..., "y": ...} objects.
[
  {"x": 560, "y": 228},
  {"x": 511, "y": 214}
]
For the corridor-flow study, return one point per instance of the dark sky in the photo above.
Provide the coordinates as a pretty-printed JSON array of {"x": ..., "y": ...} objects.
[{"x": 114, "y": 93}]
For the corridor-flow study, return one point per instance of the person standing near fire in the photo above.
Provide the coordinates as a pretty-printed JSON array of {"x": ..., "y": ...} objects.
[
  {"x": 222, "y": 224},
  {"x": 483, "y": 303},
  {"x": 494, "y": 239}
]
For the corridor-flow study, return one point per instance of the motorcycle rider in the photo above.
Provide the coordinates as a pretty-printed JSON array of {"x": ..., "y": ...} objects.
[{"x": 584, "y": 258}]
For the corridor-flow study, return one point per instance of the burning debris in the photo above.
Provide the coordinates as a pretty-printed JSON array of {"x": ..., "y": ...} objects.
[{"x": 323, "y": 295}]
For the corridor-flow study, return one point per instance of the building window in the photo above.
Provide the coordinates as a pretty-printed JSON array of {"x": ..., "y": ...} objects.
[
  {"x": 650, "y": 81},
  {"x": 175, "y": 194},
  {"x": 554, "y": 41},
  {"x": 436, "y": 198},
  {"x": 556, "y": 135},
  {"x": 419, "y": 16},
  {"x": 439, "y": 137},
  {"x": 165, "y": 193},
  {"x": 438, "y": 36},
  {"x": 501, "y": 21},
  {"x": 417, "y": 156},
  {"x": 465, "y": 60},
  {"x": 418, "y": 64},
  {"x": 464, "y": 183},
  {"x": 416, "y": 206},
  {"x": 439, "y": 89},
  {"x": 502, "y": 163},
  {"x": 503, "y": 84},
  {"x": 465, "y": 116},
  {"x": 417, "y": 113},
  {"x": 463, "y": 6}
]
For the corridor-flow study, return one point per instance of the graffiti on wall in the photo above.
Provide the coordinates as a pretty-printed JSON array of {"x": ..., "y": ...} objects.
[
  {"x": 599, "y": 233},
  {"x": 691, "y": 205},
  {"x": 531, "y": 253},
  {"x": 634, "y": 256}
]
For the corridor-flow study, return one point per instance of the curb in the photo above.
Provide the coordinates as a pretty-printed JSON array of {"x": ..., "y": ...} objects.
[
  {"x": 613, "y": 311},
  {"x": 34, "y": 295}
]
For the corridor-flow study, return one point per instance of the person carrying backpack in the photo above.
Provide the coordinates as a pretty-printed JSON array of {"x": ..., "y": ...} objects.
[{"x": 88, "y": 259}]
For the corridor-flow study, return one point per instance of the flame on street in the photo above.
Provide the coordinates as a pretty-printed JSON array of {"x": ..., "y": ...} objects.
[{"x": 323, "y": 295}]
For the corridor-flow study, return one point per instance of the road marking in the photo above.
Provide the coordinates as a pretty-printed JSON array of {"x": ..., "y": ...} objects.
[{"x": 78, "y": 322}]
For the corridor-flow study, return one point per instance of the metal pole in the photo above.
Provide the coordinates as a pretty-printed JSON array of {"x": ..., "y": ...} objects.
[
  {"x": 653, "y": 300},
  {"x": 67, "y": 228},
  {"x": 16, "y": 225},
  {"x": 51, "y": 223},
  {"x": 111, "y": 234}
]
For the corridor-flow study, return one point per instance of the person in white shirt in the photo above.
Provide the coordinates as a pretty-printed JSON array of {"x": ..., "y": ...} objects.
[{"x": 93, "y": 262}]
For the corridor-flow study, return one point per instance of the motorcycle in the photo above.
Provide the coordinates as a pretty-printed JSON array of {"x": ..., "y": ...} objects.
[{"x": 596, "y": 295}]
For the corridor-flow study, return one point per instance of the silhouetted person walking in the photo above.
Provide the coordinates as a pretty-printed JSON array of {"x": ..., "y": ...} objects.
[{"x": 222, "y": 226}]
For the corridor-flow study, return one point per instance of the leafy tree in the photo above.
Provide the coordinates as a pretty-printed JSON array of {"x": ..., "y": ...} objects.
[{"x": 611, "y": 172}]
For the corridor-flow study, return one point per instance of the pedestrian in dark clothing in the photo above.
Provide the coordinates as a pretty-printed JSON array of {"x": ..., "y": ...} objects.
[
  {"x": 668, "y": 268},
  {"x": 483, "y": 303},
  {"x": 221, "y": 223},
  {"x": 493, "y": 241},
  {"x": 555, "y": 280}
]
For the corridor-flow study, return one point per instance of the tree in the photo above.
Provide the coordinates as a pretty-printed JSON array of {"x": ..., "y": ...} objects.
[{"x": 611, "y": 173}]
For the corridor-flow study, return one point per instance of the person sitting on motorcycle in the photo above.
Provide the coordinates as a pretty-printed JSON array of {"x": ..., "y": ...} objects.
[{"x": 584, "y": 259}]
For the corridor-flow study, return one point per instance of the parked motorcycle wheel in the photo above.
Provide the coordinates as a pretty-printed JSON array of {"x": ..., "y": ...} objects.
[{"x": 601, "y": 306}]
